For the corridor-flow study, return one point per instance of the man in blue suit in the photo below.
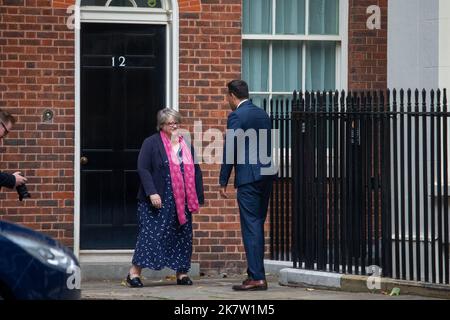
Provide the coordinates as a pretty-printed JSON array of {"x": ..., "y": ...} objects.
[{"x": 248, "y": 149}]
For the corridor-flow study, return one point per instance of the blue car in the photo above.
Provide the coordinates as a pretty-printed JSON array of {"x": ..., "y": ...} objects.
[{"x": 36, "y": 267}]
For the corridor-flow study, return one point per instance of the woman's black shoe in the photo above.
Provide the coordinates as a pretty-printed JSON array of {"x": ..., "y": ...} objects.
[
  {"x": 185, "y": 281},
  {"x": 135, "y": 282}
]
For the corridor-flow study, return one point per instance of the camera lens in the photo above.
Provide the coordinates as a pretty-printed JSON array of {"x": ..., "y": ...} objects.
[{"x": 23, "y": 192}]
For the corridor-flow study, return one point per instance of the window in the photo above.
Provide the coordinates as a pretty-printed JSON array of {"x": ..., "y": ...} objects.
[
  {"x": 291, "y": 45},
  {"x": 123, "y": 3}
]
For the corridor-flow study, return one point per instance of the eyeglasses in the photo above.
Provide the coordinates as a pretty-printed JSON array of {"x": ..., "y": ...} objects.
[
  {"x": 5, "y": 129},
  {"x": 172, "y": 124}
]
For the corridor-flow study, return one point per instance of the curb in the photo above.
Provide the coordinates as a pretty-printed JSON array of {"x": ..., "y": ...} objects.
[
  {"x": 274, "y": 267},
  {"x": 352, "y": 283}
]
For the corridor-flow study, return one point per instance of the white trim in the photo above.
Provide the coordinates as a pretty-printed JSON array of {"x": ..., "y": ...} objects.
[
  {"x": 77, "y": 180},
  {"x": 124, "y": 15},
  {"x": 167, "y": 16},
  {"x": 306, "y": 17},
  {"x": 274, "y": 17},
  {"x": 175, "y": 54},
  {"x": 168, "y": 66},
  {"x": 105, "y": 256},
  {"x": 343, "y": 31},
  {"x": 304, "y": 66},
  {"x": 338, "y": 75},
  {"x": 87, "y": 252},
  {"x": 299, "y": 37},
  {"x": 270, "y": 74}
]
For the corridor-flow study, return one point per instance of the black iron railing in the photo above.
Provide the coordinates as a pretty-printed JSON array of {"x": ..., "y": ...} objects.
[
  {"x": 281, "y": 201},
  {"x": 363, "y": 182}
]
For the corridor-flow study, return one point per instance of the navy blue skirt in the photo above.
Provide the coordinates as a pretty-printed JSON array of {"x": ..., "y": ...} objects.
[{"x": 161, "y": 241}]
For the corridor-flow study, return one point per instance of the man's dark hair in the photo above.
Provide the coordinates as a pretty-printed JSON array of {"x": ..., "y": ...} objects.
[
  {"x": 6, "y": 117},
  {"x": 239, "y": 88}
]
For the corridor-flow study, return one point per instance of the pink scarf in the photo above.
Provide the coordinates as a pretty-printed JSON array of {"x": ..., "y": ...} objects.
[{"x": 178, "y": 186}]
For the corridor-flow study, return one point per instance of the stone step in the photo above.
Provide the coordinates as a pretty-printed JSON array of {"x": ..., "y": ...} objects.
[{"x": 115, "y": 266}]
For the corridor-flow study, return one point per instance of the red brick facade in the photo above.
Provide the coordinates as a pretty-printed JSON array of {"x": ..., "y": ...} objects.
[
  {"x": 37, "y": 73},
  {"x": 210, "y": 56},
  {"x": 367, "y": 68}
]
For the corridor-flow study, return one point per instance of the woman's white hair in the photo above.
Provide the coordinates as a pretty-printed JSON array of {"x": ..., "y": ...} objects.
[{"x": 164, "y": 115}]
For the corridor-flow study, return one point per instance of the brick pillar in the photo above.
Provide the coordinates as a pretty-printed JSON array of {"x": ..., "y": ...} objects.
[
  {"x": 367, "y": 68},
  {"x": 210, "y": 56}
]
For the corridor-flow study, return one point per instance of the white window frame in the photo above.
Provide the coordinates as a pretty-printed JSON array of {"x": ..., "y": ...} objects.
[
  {"x": 341, "y": 41},
  {"x": 168, "y": 15},
  {"x": 341, "y": 80}
]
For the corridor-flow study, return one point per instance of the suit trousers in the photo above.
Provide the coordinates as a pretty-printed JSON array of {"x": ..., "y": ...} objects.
[{"x": 253, "y": 200}]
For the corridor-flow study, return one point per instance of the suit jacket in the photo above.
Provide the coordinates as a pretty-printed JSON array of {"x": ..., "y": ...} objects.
[
  {"x": 248, "y": 170},
  {"x": 7, "y": 180},
  {"x": 153, "y": 167}
]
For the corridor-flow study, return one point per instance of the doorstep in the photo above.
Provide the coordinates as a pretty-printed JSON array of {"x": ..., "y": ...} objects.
[{"x": 115, "y": 266}]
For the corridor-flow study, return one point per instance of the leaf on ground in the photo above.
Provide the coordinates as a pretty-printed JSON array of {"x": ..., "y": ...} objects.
[
  {"x": 395, "y": 292},
  {"x": 171, "y": 277},
  {"x": 310, "y": 289}
]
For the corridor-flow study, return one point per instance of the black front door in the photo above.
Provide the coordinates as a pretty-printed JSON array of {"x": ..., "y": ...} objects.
[{"x": 122, "y": 88}]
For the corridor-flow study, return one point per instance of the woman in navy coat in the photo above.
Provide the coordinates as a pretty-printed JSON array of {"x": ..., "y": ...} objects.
[{"x": 171, "y": 190}]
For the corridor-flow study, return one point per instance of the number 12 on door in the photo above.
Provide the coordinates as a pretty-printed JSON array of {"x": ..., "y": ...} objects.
[{"x": 122, "y": 61}]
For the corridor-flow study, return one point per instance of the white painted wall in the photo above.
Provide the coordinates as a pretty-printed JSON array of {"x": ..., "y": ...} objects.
[
  {"x": 444, "y": 52},
  {"x": 419, "y": 44},
  {"x": 444, "y": 44},
  {"x": 413, "y": 43},
  {"x": 418, "y": 57}
]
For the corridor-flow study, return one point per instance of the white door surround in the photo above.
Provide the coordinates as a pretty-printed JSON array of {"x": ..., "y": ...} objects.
[{"x": 168, "y": 16}]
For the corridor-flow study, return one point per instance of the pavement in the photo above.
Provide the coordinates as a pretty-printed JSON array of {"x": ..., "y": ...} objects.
[{"x": 219, "y": 288}]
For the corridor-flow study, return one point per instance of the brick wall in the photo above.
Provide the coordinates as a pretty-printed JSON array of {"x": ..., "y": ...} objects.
[
  {"x": 189, "y": 5},
  {"x": 210, "y": 56},
  {"x": 37, "y": 73},
  {"x": 367, "y": 48}
]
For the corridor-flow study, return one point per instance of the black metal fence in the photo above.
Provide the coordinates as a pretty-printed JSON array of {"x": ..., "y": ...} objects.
[
  {"x": 280, "y": 111},
  {"x": 363, "y": 182}
]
